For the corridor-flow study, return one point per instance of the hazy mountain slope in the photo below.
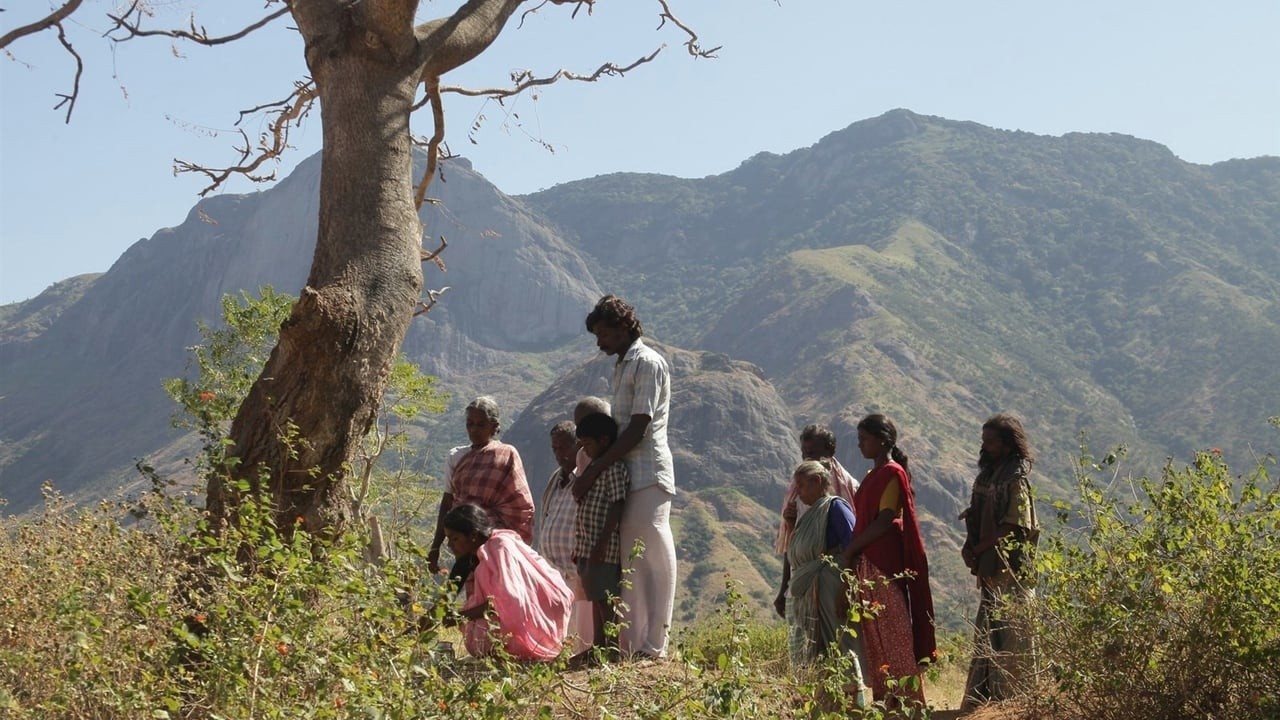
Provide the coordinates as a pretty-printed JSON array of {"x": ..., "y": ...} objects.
[{"x": 81, "y": 400}]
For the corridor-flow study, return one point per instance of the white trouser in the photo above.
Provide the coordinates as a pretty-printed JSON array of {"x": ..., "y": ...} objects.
[{"x": 649, "y": 581}]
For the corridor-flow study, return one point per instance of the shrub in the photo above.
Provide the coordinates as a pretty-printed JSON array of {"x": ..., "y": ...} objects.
[{"x": 1166, "y": 603}]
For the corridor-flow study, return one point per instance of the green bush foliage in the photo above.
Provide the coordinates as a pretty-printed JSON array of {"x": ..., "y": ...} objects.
[{"x": 1163, "y": 601}]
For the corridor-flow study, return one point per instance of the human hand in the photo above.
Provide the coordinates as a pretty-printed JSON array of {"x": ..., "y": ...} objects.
[
  {"x": 780, "y": 603},
  {"x": 433, "y": 560},
  {"x": 582, "y": 483}
]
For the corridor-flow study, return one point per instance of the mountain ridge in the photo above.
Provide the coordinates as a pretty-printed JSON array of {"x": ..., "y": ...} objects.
[{"x": 935, "y": 270}]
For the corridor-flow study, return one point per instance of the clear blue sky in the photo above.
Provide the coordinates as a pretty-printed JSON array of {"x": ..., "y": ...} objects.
[{"x": 1201, "y": 78}]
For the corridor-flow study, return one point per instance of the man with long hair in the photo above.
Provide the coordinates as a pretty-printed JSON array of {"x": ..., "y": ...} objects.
[{"x": 1001, "y": 528}]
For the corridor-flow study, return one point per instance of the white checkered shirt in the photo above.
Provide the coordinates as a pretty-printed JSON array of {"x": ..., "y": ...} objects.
[{"x": 642, "y": 386}]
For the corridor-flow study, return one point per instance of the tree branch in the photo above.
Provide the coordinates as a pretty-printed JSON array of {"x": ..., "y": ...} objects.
[
  {"x": 271, "y": 144},
  {"x": 195, "y": 34},
  {"x": 456, "y": 40},
  {"x": 433, "y": 145},
  {"x": 578, "y": 5},
  {"x": 524, "y": 79},
  {"x": 70, "y": 100},
  {"x": 433, "y": 296},
  {"x": 53, "y": 19},
  {"x": 692, "y": 43}
]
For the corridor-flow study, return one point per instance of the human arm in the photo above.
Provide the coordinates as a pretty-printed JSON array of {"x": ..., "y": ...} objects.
[
  {"x": 433, "y": 555},
  {"x": 611, "y": 522},
  {"x": 874, "y": 531},
  {"x": 627, "y": 440},
  {"x": 476, "y": 612},
  {"x": 985, "y": 544},
  {"x": 780, "y": 602}
]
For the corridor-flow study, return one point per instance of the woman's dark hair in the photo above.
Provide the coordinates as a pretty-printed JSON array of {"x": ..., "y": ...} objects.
[
  {"x": 613, "y": 310},
  {"x": 598, "y": 425},
  {"x": 882, "y": 427},
  {"x": 470, "y": 520},
  {"x": 1012, "y": 434}
]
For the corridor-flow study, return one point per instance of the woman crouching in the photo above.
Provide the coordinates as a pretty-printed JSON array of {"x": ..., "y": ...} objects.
[{"x": 514, "y": 596}]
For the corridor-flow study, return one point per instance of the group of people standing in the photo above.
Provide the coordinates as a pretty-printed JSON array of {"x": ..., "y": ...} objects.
[
  {"x": 848, "y": 542},
  {"x": 607, "y": 509}
]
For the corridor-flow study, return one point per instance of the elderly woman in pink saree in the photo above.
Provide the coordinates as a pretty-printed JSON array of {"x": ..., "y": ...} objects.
[{"x": 515, "y": 598}]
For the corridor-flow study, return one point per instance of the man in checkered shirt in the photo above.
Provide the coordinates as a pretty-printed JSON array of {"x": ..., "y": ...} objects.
[{"x": 641, "y": 403}]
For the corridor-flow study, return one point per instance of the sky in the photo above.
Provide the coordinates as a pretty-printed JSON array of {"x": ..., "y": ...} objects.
[{"x": 1202, "y": 79}]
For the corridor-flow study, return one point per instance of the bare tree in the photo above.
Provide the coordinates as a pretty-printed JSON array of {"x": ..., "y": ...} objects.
[{"x": 303, "y": 420}]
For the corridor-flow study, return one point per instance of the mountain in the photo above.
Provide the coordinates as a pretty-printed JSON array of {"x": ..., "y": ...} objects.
[
  {"x": 934, "y": 270},
  {"x": 941, "y": 270},
  {"x": 80, "y": 364}
]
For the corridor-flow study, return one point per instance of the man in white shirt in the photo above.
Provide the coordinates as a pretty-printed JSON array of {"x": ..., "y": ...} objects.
[{"x": 641, "y": 404}]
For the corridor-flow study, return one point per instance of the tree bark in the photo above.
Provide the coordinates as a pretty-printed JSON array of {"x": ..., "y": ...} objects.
[{"x": 319, "y": 391}]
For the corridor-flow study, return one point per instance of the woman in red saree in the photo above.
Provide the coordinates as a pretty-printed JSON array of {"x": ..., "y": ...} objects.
[{"x": 887, "y": 556}]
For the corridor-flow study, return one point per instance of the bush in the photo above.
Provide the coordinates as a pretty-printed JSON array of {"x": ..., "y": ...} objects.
[{"x": 1165, "y": 604}]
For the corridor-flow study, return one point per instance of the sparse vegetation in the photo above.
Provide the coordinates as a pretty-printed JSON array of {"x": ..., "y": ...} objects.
[{"x": 1161, "y": 597}]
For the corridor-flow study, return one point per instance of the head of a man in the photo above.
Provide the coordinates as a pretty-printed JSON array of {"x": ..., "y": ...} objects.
[
  {"x": 564, "y": 444},
  {"x": 1002, "y": 437},
  {"x": 588, "y": 405},
  {"x": 615, "y": 325},
  {"x": 817, "y": 442}
]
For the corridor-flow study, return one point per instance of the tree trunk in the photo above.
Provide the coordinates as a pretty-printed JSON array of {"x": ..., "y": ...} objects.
[{"x": 306, "y": 415}]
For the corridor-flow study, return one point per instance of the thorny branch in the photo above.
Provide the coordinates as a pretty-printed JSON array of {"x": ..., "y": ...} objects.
[
  {"x": 271, "y": 144},
  {"x": 195, "y": 34}
]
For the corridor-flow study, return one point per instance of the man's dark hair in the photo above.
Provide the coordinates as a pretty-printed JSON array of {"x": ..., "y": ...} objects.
[
  {"x": 613, "y": 310},
  {"x": 821, "y": 433},
  {"x": 564, "y": 427},
  {"x": 1012, "y": 434},
  {"x": 598, "y": 425}
]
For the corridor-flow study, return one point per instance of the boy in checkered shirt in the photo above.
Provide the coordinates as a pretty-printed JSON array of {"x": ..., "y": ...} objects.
[{"x": 597, "y": 548}]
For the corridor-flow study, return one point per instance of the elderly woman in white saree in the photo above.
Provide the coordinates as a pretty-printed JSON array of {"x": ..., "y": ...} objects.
[{"x": 815, "y": 621}]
